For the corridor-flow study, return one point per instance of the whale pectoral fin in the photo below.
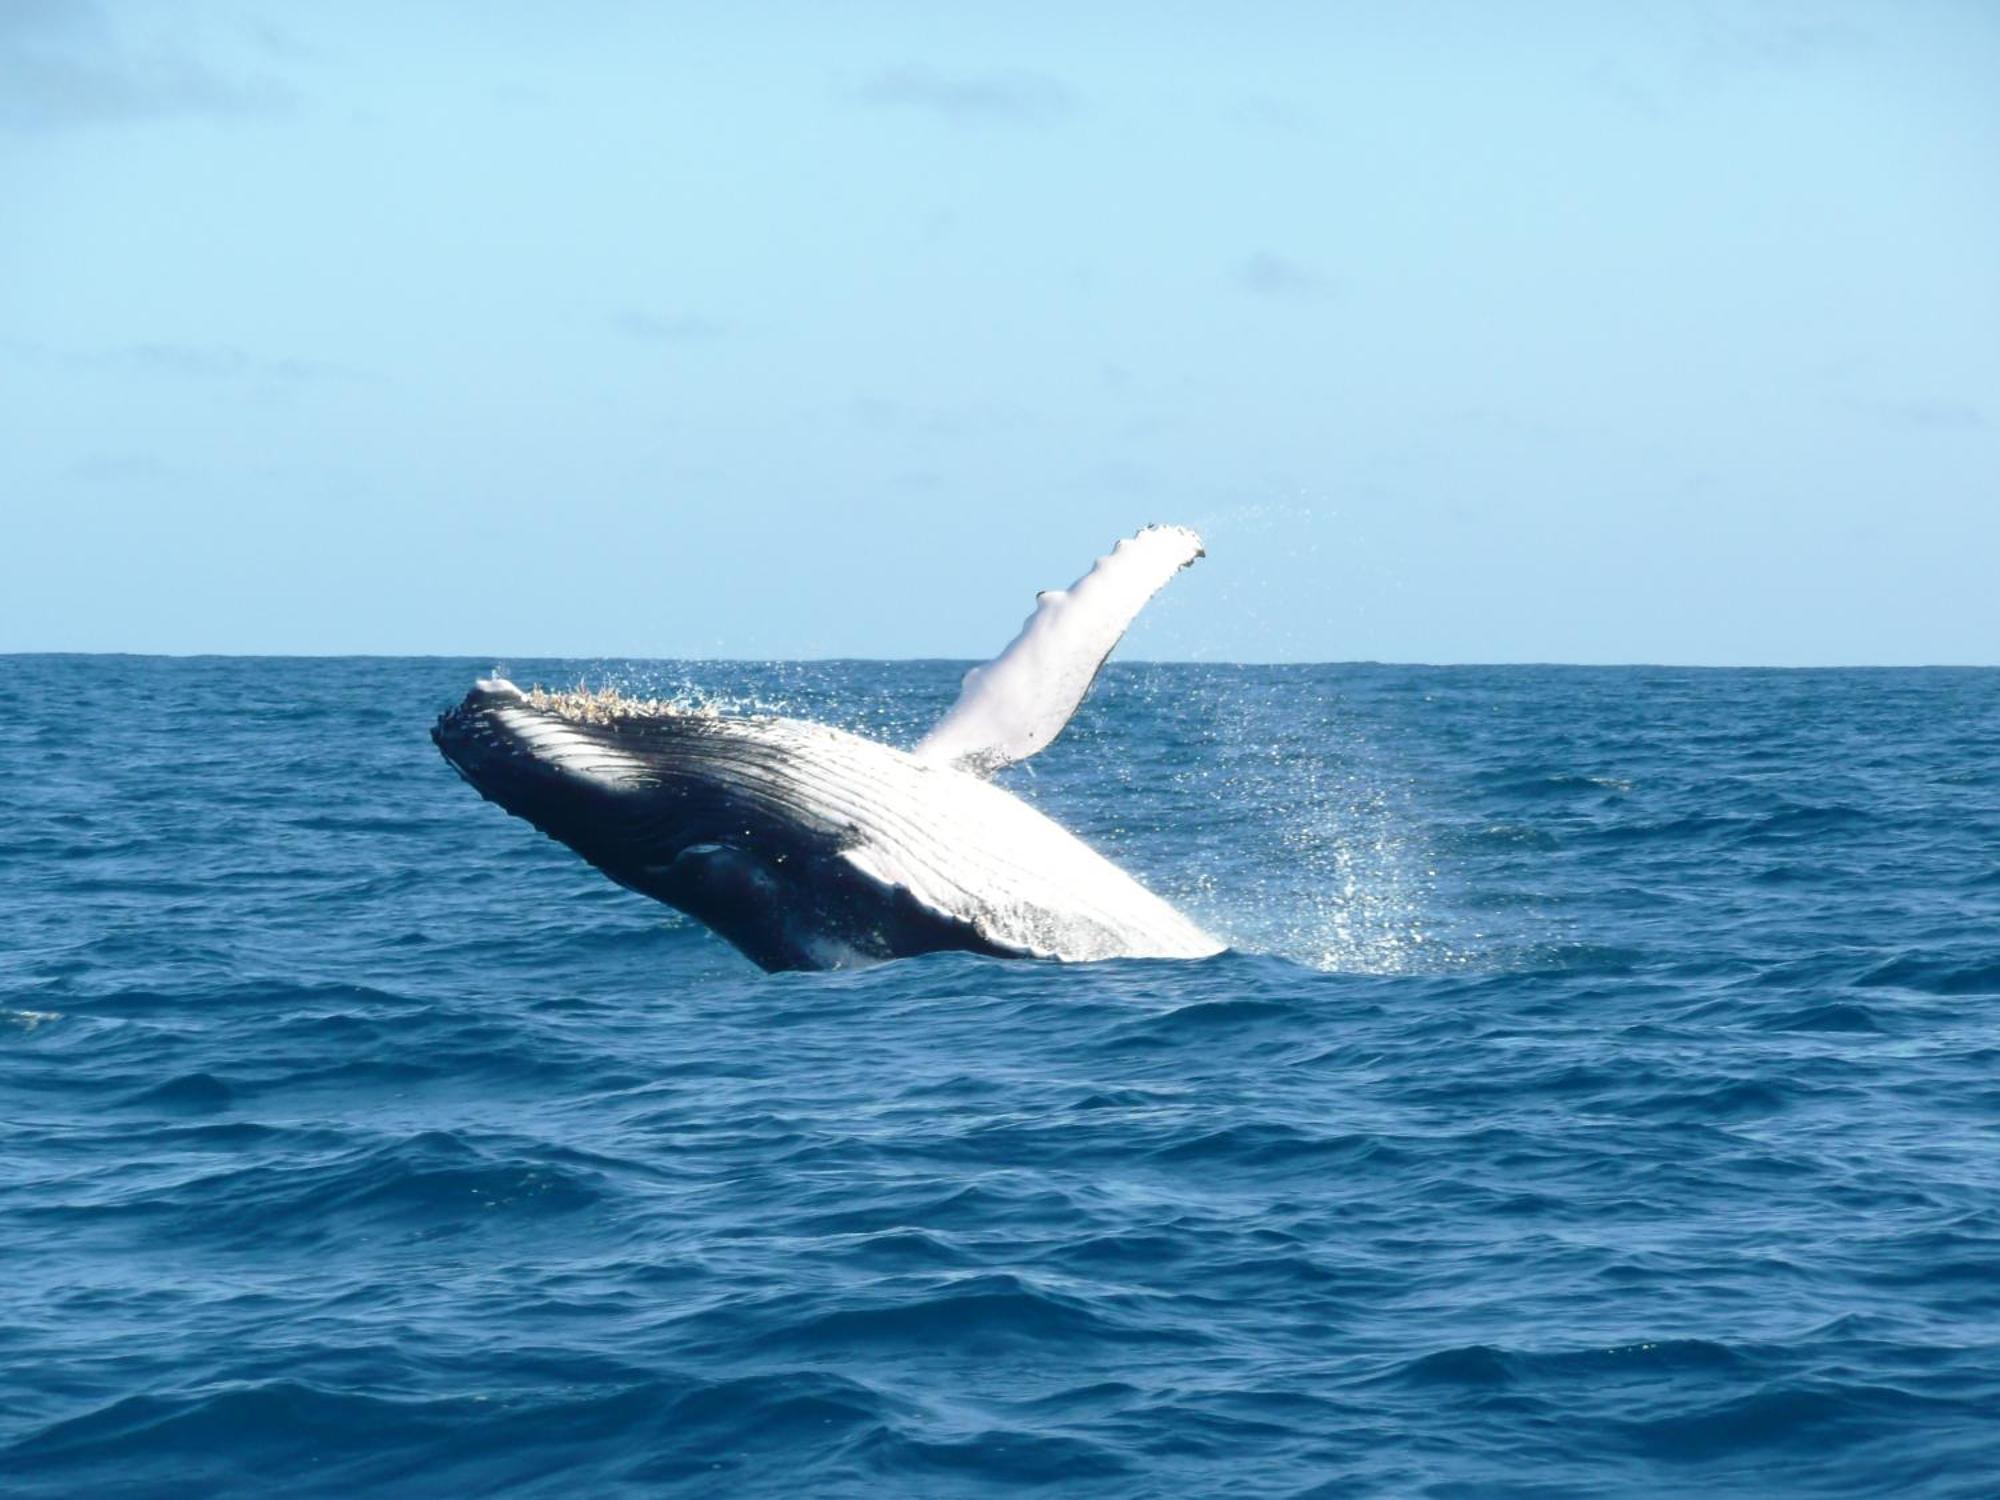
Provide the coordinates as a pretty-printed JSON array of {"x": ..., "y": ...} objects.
[
  {"x": 736, "y": 895},
  {"x": 1017, "y": 703},
  {"x": 715, "y": 872}
]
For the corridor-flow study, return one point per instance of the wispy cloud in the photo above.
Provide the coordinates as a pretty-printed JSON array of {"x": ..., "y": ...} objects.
[
  {"x": 675, "y": 328},
  {"x": 1002, "y": 96},
  {"x": 180, "y": 360},
  {"x": 1266, "y": 274},
  {"x": 1927, "y": 413},
  {"x": 127, "y": 466},
  {"x": 63, "y": 66},
  {"x": 1759, "y": 39},
  {"x": 1690, "y": 53},
  {"x": 1263, "y": 112},
  {"x": 223, "y": 362}
]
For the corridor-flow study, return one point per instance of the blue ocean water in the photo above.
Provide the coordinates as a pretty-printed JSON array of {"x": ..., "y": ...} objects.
[{"x": 1603, "y": 1098}]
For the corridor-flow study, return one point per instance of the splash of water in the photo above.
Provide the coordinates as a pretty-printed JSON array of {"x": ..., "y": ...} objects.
[
  {"x": 1350, "y": 888},
  {"x": 1326, "y": 861}
]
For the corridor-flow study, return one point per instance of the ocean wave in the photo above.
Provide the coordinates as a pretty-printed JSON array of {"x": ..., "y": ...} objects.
[{"x": 1607, "y": 1112}]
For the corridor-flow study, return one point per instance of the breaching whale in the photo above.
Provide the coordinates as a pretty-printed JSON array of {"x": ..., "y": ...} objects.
[{"x": 808, "y": 847}]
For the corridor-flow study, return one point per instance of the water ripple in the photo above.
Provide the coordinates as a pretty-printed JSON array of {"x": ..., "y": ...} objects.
[{"x": 1598, "y": 1100}]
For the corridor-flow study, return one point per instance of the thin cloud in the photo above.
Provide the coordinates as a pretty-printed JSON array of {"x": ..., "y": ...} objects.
[
  {"x": 1269, "y": 275},
  {"x": 1756, "y": 40},
  {"x": 225, "y": 362},
  {"x": 678, "y": 328},
  {"x": 1263, "y": 112},
  {"x": 63, "y": 67},
  {"x": 177, "y": 360},
  {"x": 122, "y": 467},
  {"x": 1691, "y": 54},
  {"x": 1932, "y": 415},
  {"x": 1002, "y": 96}
]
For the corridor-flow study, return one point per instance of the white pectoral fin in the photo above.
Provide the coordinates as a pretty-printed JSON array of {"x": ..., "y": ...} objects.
[{"x": 1018, "y": 702}]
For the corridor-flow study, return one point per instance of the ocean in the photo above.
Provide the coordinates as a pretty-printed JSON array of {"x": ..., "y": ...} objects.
[{"x": 1601, "y": 1097}]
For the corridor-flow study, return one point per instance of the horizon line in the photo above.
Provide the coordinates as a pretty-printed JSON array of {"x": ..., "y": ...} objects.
[{"x": 971, "y": 661}]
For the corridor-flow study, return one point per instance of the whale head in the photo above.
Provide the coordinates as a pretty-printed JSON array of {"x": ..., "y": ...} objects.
[{"x": 700, "y": 810}]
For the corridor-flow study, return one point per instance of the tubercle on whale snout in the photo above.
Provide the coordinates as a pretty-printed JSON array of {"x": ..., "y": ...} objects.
[
  {"x": 458, "y": 730},
  {"x": 485, "y": 751}
]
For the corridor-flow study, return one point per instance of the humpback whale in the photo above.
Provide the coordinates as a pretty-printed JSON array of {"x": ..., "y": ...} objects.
[{"x": 808, "y": 847}]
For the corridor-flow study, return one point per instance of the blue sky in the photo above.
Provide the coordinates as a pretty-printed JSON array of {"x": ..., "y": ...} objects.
[{"x": 1465, "y": 332}]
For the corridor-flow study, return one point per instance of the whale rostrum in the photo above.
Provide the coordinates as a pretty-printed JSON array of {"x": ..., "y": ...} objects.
[{"x": 808, "y": 847}]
